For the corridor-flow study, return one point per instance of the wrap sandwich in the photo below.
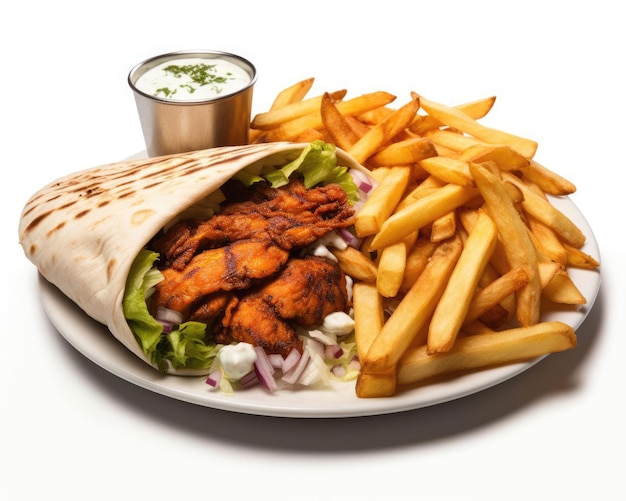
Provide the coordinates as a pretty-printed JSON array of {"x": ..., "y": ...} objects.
[{"x": 104, "y": 235}]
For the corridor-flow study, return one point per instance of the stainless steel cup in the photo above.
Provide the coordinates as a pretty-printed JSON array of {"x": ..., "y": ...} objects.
[{"x": 176, "y": 126}]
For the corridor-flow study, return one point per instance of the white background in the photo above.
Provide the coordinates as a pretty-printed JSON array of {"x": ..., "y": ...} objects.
[{"x": 71, "y": 429}]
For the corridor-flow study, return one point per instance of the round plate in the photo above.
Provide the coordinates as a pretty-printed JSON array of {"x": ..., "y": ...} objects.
[{"x": 94, "y": 341}]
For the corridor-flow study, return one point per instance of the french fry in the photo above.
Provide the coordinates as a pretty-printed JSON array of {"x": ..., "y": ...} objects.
[
  {"x": 421, "y": 212},
  {"x": 450, "y": 292},
  {"x": 486, "y": 350},
  {"x": 443, "y": 227},
  {"x": 378, "y": 174},
  {"x": 548, "y": 214},
  {"x": 408, "y": 151},
  {"x": 475, "y": 109},
  {"x": 547, "y": 269},
  {"x": 289, "y": 95},
  {"x": 368, "y": 316},
  {"x": 286, "y": 131},
  {"x": 293, "y": 93},
  {"x": 514, "y": 236},
  {"x": 450, "y": 170},
  {"x": 549, "y": 181},
  {"x": 336, "y": 124},
  {"x": 498, "y": 315},
  {"x": 579, "y": 259},
  {"x": 546, "y": 241},
  {"x": 382, "y": 201},
  {"x": 476, "y": 327},
  {"x": 499, "y": 261},
  {"x": 452, "y": 141},
  {"x": 357, "y": 126},
  {"x": 273, "y": 118},
  {"x": 416, "y": 261},
  {"x": 428, "y": 185},
  {"x": 505, "y": 157},
  {"x": 376, "y": 385},
  {"x": 356, "y": 264},
  {"x": 414, "y": 309},
  {"x": 450, "y": 312},
  {"x": 457, "y": 119},
  {"x": 372, "y": 117},
  {"x": 495, "y": 292},
  {"x": 391, "y": 267},
  {"x": 561, "y": 289},
  {"x": 309, "y": 135},
  {"x": 381, "y": 133}
]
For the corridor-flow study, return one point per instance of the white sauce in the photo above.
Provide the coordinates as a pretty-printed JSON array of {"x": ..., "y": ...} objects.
[
  {"x": 237, "y": 360},
  {"x": 214, "y": 78},
  {"x": 338, "y": 323}
]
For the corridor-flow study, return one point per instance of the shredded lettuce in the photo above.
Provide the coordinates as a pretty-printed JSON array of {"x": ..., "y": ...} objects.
[
  {"x": 186, "y": 347},
  {"x": 317, "y": 164},
  {"x": 348, "y": 346},
  {"x": 183, "y": 347},
  {"x": 142, "y": 277}
]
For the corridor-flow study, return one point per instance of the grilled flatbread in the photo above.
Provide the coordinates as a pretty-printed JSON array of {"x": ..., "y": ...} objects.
[{"x": 83, "y": 231}]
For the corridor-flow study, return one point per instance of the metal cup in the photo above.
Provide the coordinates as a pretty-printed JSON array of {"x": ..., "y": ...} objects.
[{"x": 177, "y": 126}]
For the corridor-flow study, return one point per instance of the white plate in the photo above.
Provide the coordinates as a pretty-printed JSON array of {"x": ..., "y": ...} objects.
[{"x": 95, "y": 342}]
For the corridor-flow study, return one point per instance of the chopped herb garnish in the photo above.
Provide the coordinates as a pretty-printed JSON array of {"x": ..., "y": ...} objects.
[
  {"x": 200, "y": 74},
  {"x": 166, "y": 91}
]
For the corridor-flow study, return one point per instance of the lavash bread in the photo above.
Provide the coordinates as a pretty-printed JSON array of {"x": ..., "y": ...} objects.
[{"x": 84, "y": 230}]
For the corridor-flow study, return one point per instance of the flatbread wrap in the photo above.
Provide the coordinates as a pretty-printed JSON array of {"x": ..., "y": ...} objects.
[{"x": 85, "y": 232}]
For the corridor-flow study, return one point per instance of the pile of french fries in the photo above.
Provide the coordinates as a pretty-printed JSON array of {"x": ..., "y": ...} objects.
[{"x": 461, "y": 245}]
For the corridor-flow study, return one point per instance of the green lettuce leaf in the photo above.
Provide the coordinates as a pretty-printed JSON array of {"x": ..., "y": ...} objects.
[
  {"x": 142, "y": 277},
  {"x": 184, "y": 346},
  {"x": 317, "y": 164}
]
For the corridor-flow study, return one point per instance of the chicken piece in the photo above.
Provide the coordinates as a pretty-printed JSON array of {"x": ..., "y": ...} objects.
[
  {"x": 212, "y": 308},
  {"x": 235, "y": 266},
  {"x": 254, "y": 321},
  {"x": 307, "y": 290},
  {"x": 303, "y": 293},
  {"x": 291, "y": 216}
]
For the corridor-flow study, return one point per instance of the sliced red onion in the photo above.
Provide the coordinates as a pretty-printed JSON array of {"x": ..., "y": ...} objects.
[
  {"x": 354, "y": 364},
  {"x": 294, "y": 373},
  {"x": 249, "y": 380},
  {"x": 276, "y": 360},
  {"x": 351, "y": 239},
  {"x": 169, "y": 316},
  {"x": 314, "y": 371},
  {"x": 167, "y": 326},
  {"x": 214, "y": 378},
  {"x": 316, "y": 368},
  {"x": 264, "y": 369},
  {"x": 362, "y": 180},
  {"x": 333, "y": 351},
  {"x": 338, "y": 370},
  {"x": 291, "y": 360},
  {"x": 315, "y": 346},
  {"x": 323, "y": 337}
]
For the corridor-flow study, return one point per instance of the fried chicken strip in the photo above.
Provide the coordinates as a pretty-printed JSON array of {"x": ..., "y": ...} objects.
[
  {"x": 304, "y": 292},
  {"x": 290, "y": 216},
  {"x": 235, "y": 266}
]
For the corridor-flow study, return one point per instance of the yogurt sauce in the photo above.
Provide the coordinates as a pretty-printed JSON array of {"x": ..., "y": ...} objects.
[
  {"x": 193, "y": 79},
  {"x": 237, "y": 359}
]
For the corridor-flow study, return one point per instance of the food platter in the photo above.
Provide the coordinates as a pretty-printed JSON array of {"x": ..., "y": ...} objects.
[{"x": 338, "y": 400}]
